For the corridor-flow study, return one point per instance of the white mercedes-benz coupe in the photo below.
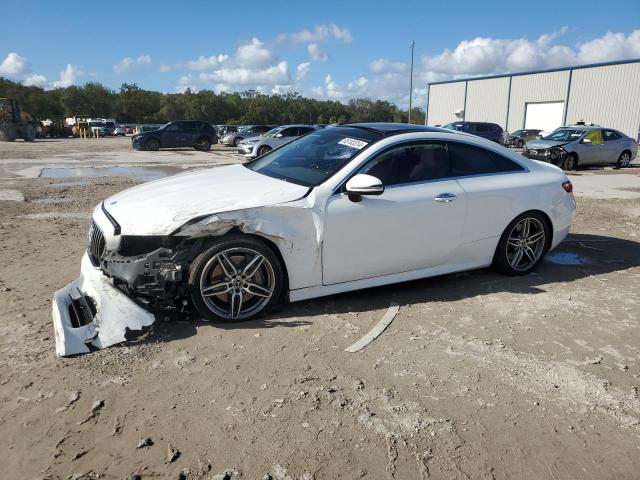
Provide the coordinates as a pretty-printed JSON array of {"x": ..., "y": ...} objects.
[{"x": 339, "y": 209}]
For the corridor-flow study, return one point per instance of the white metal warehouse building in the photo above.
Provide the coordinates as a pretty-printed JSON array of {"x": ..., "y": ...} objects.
[{"x": 607, "y": 94}]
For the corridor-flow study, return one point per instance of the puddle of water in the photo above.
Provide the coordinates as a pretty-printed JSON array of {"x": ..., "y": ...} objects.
[
  {"x": 145, "y": 174},
  {"x": 567, "y": 258}
]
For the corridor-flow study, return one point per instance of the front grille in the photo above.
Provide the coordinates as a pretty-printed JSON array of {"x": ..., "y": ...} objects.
[{"x": 97, "y": 244}]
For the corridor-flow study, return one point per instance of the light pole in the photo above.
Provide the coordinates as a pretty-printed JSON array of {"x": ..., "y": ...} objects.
[{"x": 411, "y": 80}]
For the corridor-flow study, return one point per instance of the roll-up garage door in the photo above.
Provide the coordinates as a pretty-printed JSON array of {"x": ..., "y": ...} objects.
[{"x": 545, "y": 116}]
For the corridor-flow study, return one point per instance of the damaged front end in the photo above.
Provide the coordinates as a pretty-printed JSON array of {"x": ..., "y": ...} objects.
[{"x": 119, "y": 289}]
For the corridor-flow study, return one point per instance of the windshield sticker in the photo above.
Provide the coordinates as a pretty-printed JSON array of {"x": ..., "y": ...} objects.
[{"x": 353, "y": 143}]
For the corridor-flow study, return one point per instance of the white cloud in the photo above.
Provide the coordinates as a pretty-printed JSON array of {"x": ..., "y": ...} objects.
[
  {"x": 481, "y": 55},
  {"x": 127, "y": 62},
  {"x": 254, "y": 55},
  {"x": 321, "y": 33},
  {"x": 35, "y": 80},
  {"x": 69, "y": 76},
  {"x": 302, "y": 72},
  {"x": 316, "y": 54},
  {"x": 14, "y": 66},
  {"x": 382, "y": 65},
  {"x": 276, "y": 74},
  {"x": 18, "y": 68}
]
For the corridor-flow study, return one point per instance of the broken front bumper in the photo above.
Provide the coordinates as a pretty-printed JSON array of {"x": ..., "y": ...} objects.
[{"x": 91, "y": 313}]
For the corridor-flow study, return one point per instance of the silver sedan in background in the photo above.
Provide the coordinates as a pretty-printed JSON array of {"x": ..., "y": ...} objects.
[
  {"x": 257, "y": 146},
  {"x": 579, "y": 145}
]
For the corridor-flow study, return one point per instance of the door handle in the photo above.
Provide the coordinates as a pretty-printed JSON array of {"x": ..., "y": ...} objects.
[{"x": 445, "y": 197}]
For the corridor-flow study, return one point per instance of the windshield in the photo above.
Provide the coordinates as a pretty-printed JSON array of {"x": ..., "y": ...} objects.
[
  {"x": 314, "y": 158},
  {"x": 517, "y": 133},
  {"x": 453, "y": 126},
  {"x": 564, "y": 135},
  {"x": 273, "y": 132}
]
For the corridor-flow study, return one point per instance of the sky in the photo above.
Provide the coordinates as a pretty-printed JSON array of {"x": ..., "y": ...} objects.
[{"x": 326, "y": 49}]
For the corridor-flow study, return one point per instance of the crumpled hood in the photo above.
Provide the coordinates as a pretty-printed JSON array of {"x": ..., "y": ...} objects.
[
  {"x": 543, "y": 144},
  {"x": 161, "y": 206}
]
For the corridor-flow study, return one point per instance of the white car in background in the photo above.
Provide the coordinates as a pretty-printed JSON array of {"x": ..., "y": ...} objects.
[
  {"x": 339, "y": 209},
  {"x": 257, "y": 146}
]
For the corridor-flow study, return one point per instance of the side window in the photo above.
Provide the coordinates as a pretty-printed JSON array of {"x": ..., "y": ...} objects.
[
  {"x": 189, "y": 125},
  {"x": 305, "y": 130},
  {"x": 290, "y": 132},
  {"x": 471, "y": 160},
  {"x": 174, "y": 127},
  {"x": 482, "y": 128},
  {"x": 610, "y": 135},
  {"x": 595, "y": 136},
  {"x": 410, "y": 163},
  {"x": 468, "y": 127}
]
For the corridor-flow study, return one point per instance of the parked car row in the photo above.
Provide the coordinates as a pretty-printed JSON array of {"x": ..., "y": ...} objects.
[
  {"x": 579, "y": 145},
  {"x": 566, "y": 147}
]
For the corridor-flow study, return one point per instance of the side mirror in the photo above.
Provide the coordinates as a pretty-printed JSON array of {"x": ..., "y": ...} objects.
[
  {"x": 363, "y": 184},
  {"x": 278, "y": 135},
  {"x": 586, "y": 140}
]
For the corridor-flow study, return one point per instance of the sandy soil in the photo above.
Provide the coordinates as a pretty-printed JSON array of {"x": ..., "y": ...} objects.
[{"x": 479, "y": 375}]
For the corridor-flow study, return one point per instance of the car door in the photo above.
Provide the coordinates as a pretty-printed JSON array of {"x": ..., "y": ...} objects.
[
  {"x": 170, "y": 135},
  {"x": 613, "y": 145},
  {"x": 188, "y": 132},
  {"x": 285, "y": 136},
  {"x": 493, "y": 184},
  {"x": 415, "y": 224},
  {"x": 592, "y": 152}
]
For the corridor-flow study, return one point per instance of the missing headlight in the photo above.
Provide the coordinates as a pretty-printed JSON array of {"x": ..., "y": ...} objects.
[{"x": 133, "y": 245}]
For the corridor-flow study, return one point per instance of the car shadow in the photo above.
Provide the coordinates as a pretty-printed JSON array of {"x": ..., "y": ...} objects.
[{"x": 578, "y": 256}]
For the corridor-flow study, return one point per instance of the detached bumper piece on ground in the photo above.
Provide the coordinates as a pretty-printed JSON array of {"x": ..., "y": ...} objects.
[{"x": 80, "y": 310}]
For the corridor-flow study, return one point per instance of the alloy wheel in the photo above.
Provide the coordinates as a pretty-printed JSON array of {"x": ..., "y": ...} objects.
[
  {"x": 526, "y": 244},
  {"x": 625, "y": 160},
  {"x": 237, "y": 283}
]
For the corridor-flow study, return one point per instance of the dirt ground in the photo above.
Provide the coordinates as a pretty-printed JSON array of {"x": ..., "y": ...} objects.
[{"x": 479, "y": 375}]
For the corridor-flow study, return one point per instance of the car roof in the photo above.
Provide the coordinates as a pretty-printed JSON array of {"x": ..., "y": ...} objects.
[{"x": 389, "y": 128}]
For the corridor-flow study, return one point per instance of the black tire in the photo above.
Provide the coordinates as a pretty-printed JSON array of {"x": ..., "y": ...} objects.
[
  {"x": 624, "y": 159},
  {"x": 264, "y": 149},
  {"x": 29, "y": 133},
  {"x": 7, "y": 132},
  {"x": 519, "y": 143},
  {"x": 207, "y": 268},
  {"x": 570, "y": 162},
  {"x": 236, "y": 141},
  {"x": 203, "y": 144},
  {"x": 152, "y": 144},
  {"x": 503, "y": 262}
]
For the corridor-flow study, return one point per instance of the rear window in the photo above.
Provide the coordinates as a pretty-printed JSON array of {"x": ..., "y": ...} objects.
[{"x": 470, "y": 160}]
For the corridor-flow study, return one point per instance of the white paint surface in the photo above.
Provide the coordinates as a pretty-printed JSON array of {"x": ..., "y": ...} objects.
[{"x": 544, "y": 116}]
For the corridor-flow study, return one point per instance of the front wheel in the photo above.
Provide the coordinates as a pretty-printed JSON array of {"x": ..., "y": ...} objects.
[
  {"x": 263, "y": 149},
  {"x": 522, "y": 245},
  {"x": 237, "y": 278},
  {"x": 152, "y": 144},
  {"x": 520, "y": 143},
  {"x": 624, "y": 160},
  {"x": 570, "y": 163}
]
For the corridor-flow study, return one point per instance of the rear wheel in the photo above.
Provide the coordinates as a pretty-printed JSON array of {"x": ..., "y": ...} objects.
[
  {"x": 203, "y": 144},
  {"x": 152, "y": 144},
  {"x": 624, "y": 160},
  {"x": 570, "y": 163},
  {"x": 236, "y": 141},
  {"x": 29, "y": 133},
  {"x": 264, "y": 149},
  {"x": 522, "y": 245},
  {"x": 237, "y": 278},
  {"x": 519, "y": 143},
  {"x": 7, "y": 132}
]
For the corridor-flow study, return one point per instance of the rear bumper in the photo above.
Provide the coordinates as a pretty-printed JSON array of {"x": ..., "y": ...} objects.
[{"x": 100, "y": 320}]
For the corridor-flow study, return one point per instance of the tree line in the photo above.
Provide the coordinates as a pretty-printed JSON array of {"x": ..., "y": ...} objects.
[{"x": 132, "y": 104}]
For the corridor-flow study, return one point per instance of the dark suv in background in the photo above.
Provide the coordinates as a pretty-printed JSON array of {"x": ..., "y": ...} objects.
[
  {"x": 490, "y": 131},
  {"x": 182, "y": 133}
]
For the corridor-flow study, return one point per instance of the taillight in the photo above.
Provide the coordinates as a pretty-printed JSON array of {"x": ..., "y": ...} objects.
[{"x": 568, "y": 186}]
